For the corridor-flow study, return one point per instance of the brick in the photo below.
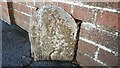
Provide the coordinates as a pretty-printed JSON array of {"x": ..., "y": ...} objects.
[
  {"x": 22, "y": 16},
  {"x": 110, "y": 5},
  {"x": 86, "y": 48},
  {"x": 4, "y": 4},
  {"x": 86, "y": 61},
  {"x": 5, "y": 12},
  {"x": 100, "y": 37},
  {"x": 24, "y": 8},
  {"x": 30, "y": 4},
  {"x": 22, "y": 24},
  {"x": 83, "y": 14},
  {"x": 16, "y": 14},
  {"x": 5, "y": 15},
  {"x": 25, "y": 18},
  {"x": 6, "y": 18},
  {"x": 66, "y": 7},
  {"x": 108, "y": 19},
  {"x": 108, "y": 58}
]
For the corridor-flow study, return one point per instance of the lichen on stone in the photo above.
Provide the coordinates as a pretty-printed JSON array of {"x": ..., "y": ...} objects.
[{"x": 52, "y": 34}]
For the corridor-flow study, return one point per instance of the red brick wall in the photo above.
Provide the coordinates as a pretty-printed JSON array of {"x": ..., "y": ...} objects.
[{"x": 98, "y": 44}]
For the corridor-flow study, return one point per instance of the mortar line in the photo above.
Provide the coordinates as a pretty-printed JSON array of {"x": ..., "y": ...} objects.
[
  {"x": 96, "y": 53},
  {"x": 94, "y": 59},
  {"x": 87, "y": 6},
  {"x": 99, "y": 45},
  {"x": 100, "y": 28},
  {"x": 23, "y": 13}
]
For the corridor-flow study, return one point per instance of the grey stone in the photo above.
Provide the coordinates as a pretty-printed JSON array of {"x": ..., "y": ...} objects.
[{"x": 52, "y": 34}]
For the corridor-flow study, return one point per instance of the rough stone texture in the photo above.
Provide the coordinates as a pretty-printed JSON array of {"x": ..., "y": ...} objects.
[{"x": 52, "y": 33}]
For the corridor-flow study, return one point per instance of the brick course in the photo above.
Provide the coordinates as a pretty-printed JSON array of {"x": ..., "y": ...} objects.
[
  {"x": 86, "y": 61},
  {"x": 22, "y": 16},
  {"x": 24, "y": 8},
  {"x": 86, "y": 48},
  {"x": 108, "y": 58},
  {"x": 4, "y": 4},
  {"x": 5, "y": 15},
  {"x": 100, "y": 37},
  {"x": 22, "y": 24},
  {"x": 108, "y": 19},
  {"x": 111, "y": 5},
  {"x": 67, "y": 7},
  {"x": 83, "y": 14}
]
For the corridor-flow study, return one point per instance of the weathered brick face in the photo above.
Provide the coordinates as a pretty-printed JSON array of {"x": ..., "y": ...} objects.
[
  {"x": 100, "y": 37},
  {"x": 4, "y": 4},
  {"x": 24, "y": 8},
  {"x": 87, "y": 48},
  {"x": 85, "y": 60},
  {"x": 66, "y": 7},
  {"x": 83, "y": 14},
  {"x": 98, "y": 41},
  {"x": 108, "y": 19},
  {"x": 108, "y": 58}
]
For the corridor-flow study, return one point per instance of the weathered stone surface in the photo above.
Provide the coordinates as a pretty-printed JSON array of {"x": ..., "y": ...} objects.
[{"x": 52, "y": 34}]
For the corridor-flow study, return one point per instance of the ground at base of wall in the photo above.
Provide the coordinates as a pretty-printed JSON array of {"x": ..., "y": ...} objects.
[{"x": 16, "y": 49}]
